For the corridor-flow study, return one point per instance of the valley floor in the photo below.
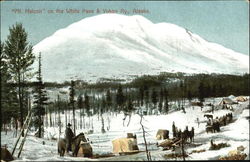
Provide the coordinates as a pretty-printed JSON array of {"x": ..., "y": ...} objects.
[{"x": 235, "y": 134}]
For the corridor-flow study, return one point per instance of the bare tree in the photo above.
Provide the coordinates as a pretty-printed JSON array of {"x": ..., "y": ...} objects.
[
  {"x": 144, "y": 137},
  {"x": 59, "y": 117},
  {"x": 182, "y": 147}
]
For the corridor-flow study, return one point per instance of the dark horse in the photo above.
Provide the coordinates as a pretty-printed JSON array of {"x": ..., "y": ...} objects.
[
  {"x": 216, "y": 126},
  {"x": 191, "y": 135},
  {"x": 61, "y": 146},
  {"x": 188, "y": 135},
  {"x": 213, "y": 128}
]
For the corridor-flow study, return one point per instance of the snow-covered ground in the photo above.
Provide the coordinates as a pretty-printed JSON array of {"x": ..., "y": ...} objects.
[{"x": 235, "y": 134}]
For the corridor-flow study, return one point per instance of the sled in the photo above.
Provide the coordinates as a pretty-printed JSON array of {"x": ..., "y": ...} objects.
[{"x": 129, "y": 153}]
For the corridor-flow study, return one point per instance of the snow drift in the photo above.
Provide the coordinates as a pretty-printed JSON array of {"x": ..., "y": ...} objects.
[{"x": 118, "y": 46}]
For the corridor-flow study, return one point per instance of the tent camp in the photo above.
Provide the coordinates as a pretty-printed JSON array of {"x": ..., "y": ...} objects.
[
  {"x": 241, "y": 99},
  {"x": 226, "y": 100}
]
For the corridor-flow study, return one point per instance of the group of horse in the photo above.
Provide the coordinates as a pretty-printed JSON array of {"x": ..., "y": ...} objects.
[
  {"x": 188, "y": 135},
  {"x": 213, "y": 125},
  {"x": 184, "y": 135},
  {"x": 225, "y": 119},
  {"x": 75, "y": 145}
]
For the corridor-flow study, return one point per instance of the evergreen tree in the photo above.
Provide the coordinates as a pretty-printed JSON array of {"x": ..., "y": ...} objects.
[
  {"x": 130, "y": 106},
  {"x": 80, "y": 104},
  {"x": 104, "y": 104},
  {"x": 86, "y": 104},
  {"x": 201, "y": 92},
  {"x": 120, "y": 99},
  {"x": 160, "y": 106},
  {"x": 108, "y": 99},
  {"x": 166, "y": 100},
  {"x": 72, "y": 101},
  {"x": 220, "y": 90},
  {"x": 40, "y": 99},
  {"x": 3, "y": 71},
  {"x": 189, "y": 96},
  {"x": 213, "y": 91},
  {"x": 185, "y": 87},
  {"x": 154, "y": 97},
  {"x": 59, "y": 114},
  {"x": 19, "y": 57},
  {"x": 208, "y": 91},
  {"x": 141, "y": 94},
  {"x": 8, "y": 98},
  {"x": 182, "y": 93},
  {"x": 161, "y": 95},
  {"x": 146, "y": 95}
]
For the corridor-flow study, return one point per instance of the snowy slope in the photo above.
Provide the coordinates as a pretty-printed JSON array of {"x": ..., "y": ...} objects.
[{"x": 116, "y": 46}]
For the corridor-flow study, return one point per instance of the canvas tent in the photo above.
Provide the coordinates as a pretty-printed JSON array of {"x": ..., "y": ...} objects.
[
  {"x": 231, "y": 97},
  {"x": 226, "y": 100},
  {"x": 241, "y": 99},
  {"x": 125, "y": 145}
]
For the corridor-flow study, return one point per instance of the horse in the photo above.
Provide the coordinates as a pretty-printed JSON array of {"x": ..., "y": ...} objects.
[
  {"x": 185, "y": 135},
  {"x": 61, "y": 146},
  {"x": 209, "y": 128},
  {"x": 229, "y": 117},
  {"x": 188, "y": 135},
  {"x": 191, "y": 135},
  {"x": 216, "y": 126},
  {"x": 222, "y": 120},
  {"x": 208, "y": 116},
  {"x": 5, "y": 154}
]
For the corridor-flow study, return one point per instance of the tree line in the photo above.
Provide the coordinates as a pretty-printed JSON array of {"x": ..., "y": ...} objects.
[{"x": 146, "y": 93}]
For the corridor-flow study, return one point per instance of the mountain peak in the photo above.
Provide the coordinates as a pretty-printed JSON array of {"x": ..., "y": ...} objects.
[{"x": 118, "y": 46}]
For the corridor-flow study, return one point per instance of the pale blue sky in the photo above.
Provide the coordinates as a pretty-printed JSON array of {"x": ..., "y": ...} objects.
[{"x": 223, "y": 22}]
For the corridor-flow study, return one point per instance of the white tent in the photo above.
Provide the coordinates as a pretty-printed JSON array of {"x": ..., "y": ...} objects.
[
  {"x": 231, "y": 97},
  {"x": 226, "y": 100}
]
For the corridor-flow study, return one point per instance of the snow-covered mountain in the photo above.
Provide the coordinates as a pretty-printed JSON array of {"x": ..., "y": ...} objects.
[{"x": 118, "y": 46}]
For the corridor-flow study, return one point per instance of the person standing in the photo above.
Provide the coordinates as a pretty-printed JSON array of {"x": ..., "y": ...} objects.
[
  {"x": 198, "y": 121},
  {"x": 174, "y": 130}
]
